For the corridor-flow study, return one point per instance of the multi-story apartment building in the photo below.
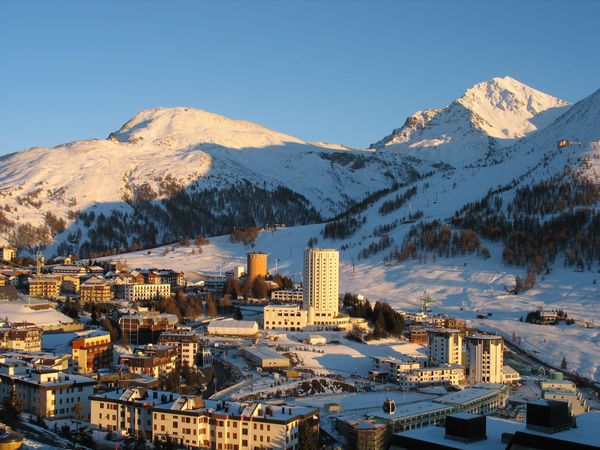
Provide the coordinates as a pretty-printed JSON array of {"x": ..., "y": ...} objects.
[
  {"x": 444, "y": 346},
  {"x": 287, "y": 295},
  {"x": 321, "y": 285},
  {"x": 485, "y": 359},
  {"x": 96, "y": 289},
  {"x": 136, "y": 292},
  {"x": 194, "y": 422},
  {"x": 8, "y": 253},
  {"x": 46, "y": 392},
  {"x": 392, "y": 368},
  {"x": 92, "y": 352},
  {"x": 443, "y": 375},
  {"x": 152, "y": 360},
  {"x": 21, "y": 336},
  {"x": 145, "y": 328},
  {"x": 44, "y": 286},
  {"x": 284, "y": 317},
  {"x": 71, "y": 283},
  {"x": 69, "y": 269},
  {"x": 185, "y": 341}
]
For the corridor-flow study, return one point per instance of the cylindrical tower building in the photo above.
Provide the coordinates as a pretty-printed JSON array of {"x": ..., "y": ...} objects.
[{"x": 257, "y": 266}]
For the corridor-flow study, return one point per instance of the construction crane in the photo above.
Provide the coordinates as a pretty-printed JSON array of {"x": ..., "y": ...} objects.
[{"x": 426, "y": 299}]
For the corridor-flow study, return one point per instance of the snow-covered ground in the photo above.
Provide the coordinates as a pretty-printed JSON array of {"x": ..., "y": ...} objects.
[{"x": 17, "y": 312}]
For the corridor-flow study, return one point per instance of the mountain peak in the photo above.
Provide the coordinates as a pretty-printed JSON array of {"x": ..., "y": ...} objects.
[
  {"x": 507, "y": 106},
  {"x": 182, "y": 127}
]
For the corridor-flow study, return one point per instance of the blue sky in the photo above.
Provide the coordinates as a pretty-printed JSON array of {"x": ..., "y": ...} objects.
[{"x": 339, "y": 71}]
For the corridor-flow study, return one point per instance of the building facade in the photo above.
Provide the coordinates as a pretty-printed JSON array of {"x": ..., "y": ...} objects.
[
  {"x": 46, "y": 392},
  {"x": 136, "y": 292},
  {"x": 321, "y": 285},
  {"x": 21, "y": 336},
  {"x": 444, "y": 346},
  {"x": 151, "y": 360},
  {"x": 92, "y": 352},
  {"x": 44, "y": 286},
  {"x": 284, "y": 317},
  {"x": 145, "y": 328},
  {"x": 8, "y": 253},
  {"x": 287, "y": 295},
  {"x": 186, "y": 342},
  {"x": 96, "y": 289},
  {"x": 485, "y": 359}
]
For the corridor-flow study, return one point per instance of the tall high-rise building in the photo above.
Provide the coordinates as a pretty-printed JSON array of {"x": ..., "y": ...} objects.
[
  {"x": 321, "y": 285},
  {"x": 444, "y": 346},
  {"x": 257, "y": 266},
  {"x": 485, "y": 359}
]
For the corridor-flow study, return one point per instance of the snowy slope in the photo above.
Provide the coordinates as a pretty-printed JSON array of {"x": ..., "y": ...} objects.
[
  {"x": 488, "y": 116},
  {"x": 186, "y": 148},
  {"x": 462, "y": 285}
]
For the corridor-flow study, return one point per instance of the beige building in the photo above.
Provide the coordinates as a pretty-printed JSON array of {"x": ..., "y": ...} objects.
[
  {"x": 287, "y": 295},
  {"x": 92, "y": 352},
  {"x": 8, "y": 253},
  {"x": 185, "y": 341},
  {"x": 46, "y": 392},
  {"x": 444, "y": 346},
  {"x": 71, "y": 283},
  {"x": 194, "y": 422},
  {"x": 96, "y": 289},
  {"x": 21, "y": 336},
  {"x": 321, "y": 286},
  {"x": 485, "y": 359},
  {"x": 284, "y": 317},
  {"x": 443, "y": 375},
  {"x": 136, "y": 292},
  {"x": 265, "y": 357},
  {"x": 44, "y": 286}
]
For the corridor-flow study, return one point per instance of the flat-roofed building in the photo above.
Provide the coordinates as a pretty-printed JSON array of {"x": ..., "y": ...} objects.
[
  {"x": 92, "y": 352},
  {"x": 287, "y": 295},
  {"x": 444, "y": 375},
  {"x": 45, "y": 392},
  {"x": 137, "y": 292},
  {"x": 485, "y": 359},
  {"x": 146, "y": 327},
  {"x": 185, "y": 341},
  {"x": 265, "y": 357},
  {"x": 284, "y": 317},
  {"x": 232, "y": 327},
  {"x": 444, "y": 346}
]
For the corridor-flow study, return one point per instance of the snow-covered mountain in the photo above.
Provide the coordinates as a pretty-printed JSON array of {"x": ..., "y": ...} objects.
[
  {"x": 169, "y": 172},
  {"x": 490, "y": 115}
]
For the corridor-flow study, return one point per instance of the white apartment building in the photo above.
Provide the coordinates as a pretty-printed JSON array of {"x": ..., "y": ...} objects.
[
  {"x": 135, "y": 292},
  {"x": 46, "y": 392},
  {"x": 8, "y": 253},
  {"x": 201, "y": 423},
  {"x": 285, "y": 317},
  {"x": 444, "y": 346},
  {"x": 485, "y": 359},
  {"x": 21, "y": 336},
  {"x": 392, "y": 367},
  {"x": 443, "y": 375},
  {"x": 321, "y": 285}
]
